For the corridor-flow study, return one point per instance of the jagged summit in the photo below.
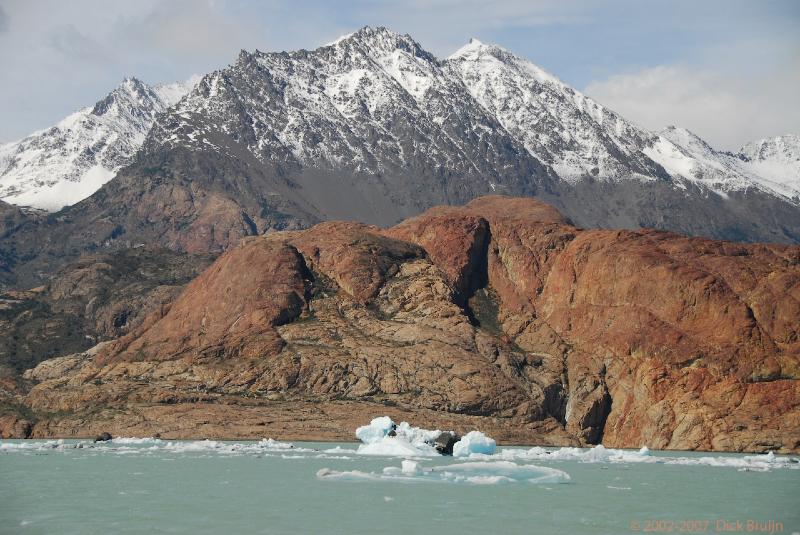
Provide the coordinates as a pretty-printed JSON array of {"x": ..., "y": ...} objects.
[
  {"x": 492, "y": 56},
  {"x": 473, "y": 46},
  {"x": 376, "y": 34},
  {"x": 66, "y": 163},
  {"x": 374, "y": 127}
]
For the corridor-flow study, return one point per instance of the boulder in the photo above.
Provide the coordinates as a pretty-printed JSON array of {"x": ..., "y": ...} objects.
[
  {"x": 444, "y": 442},
  {"x": 105, "y": 436}
]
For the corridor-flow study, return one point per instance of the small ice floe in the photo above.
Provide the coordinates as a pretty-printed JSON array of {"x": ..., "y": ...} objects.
[
  {"x": 601, "y": 454},
  {"x": 474, "y": 442},
  {"x": 597, "y": 454},
  {"x": 135, "y": 440},
  {"x": 46, "y": 445},
  {"x": 383, "y": 437},
  {"x": 473, "y": 473},
  {"x": 149, "y": 446},
  {"x": 263, "y": 447}
]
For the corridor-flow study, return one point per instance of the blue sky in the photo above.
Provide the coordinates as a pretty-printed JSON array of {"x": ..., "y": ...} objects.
[{"x": 729, "y": 70}]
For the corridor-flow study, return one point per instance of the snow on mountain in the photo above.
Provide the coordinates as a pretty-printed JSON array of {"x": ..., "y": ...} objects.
[
  {"x": 580, "y": 138},
  {"x": 374, "y": 104},
  {"x": 775, "y": 159},
  {"x": 557, "y": 124},
  {"x": 68, "y": 162},
  {"x": 772, "y": 166}
]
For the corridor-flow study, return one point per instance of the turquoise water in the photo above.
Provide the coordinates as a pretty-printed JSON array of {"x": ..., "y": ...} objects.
[{"x": 211, "y": 487}]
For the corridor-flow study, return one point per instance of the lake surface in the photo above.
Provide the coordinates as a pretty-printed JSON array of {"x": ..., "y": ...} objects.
[{"x": 153, "y": 486}]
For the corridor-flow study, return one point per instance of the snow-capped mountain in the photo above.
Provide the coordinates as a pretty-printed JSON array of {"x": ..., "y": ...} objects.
[
  {"x": 774, "y": 170},
  {"x": 373, "y": 127},
  {"x": 580, "y": 138},
  {"x": 68, "y": 162},
  {"x": 558, "y": 125},
  {"x": 372, "y": 103},
  {"x": 375, "y": 102}
]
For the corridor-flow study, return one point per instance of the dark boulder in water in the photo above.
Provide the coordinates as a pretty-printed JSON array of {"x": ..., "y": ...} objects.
[
  {"x": 105, "y": 436},
  {"x": 444, "y": 443}
]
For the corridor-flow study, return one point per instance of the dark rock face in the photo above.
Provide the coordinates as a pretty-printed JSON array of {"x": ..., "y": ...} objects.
[
  {"x": 12, "y": 220},
  {"x": 444, "y": 443},
  {"x": 105, "y": 436},
  {"x": 100, "y": 297},
  {"x": 629, "y": 338}
]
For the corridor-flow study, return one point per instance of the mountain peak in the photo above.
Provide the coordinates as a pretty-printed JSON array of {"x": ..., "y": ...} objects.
[
  {"x": 128, "y": 88},
  {"x": 685, "y": 138},
  {"x": 788, "y": 143},
  {"x": 377, "y": 30},
  {"x": 132, "y": 85},
  {"x": 381, "y": 39},
  {"x": 775, "y": 158},
  {"x": 130, "y": 81},
  {"x": 473, "y": 47},
  {"x": 68, "y": 162},
  {"x": 491, "y": 57}
]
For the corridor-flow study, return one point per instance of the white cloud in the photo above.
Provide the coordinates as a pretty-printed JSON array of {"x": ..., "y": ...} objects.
[
  {"x": 188, "y": 30},
  {"x": 74, "y": 45},
  {"x": 727, "y": 109}
]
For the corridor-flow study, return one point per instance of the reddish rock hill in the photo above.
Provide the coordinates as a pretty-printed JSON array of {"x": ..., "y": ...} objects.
[{"x": 498, "y": 315}]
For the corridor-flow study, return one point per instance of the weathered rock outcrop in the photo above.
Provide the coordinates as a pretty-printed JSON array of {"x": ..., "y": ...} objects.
[
  {"x": 99, "y": 297},
  {"x": 499, "y": 315}
]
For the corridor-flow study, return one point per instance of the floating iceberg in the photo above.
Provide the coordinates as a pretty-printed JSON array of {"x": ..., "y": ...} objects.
[
  {"x": 383, "y": 437},
  {"x": 474, "y": 442},
  {"x": 375, "y": 430},
  {"x": 474, "y": 473}
]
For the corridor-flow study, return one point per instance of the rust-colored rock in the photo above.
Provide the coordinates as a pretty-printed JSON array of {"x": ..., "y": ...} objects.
[
  {"x": 498, "y": 315},
  {"x": 230, "y": 311}
]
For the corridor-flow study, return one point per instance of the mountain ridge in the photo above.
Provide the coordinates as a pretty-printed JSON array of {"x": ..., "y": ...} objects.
[
  {"x": 61, "y": 165},
  {"x": 372, "y": 127}
]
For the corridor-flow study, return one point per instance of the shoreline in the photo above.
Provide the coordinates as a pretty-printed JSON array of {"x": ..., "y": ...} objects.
[
  {"x": 334, "y": 421},
  {"x": 356, "y": 443}
]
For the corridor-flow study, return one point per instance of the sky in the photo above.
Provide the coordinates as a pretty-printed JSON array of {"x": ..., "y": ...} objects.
[{"x": 729, "y": 70}]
